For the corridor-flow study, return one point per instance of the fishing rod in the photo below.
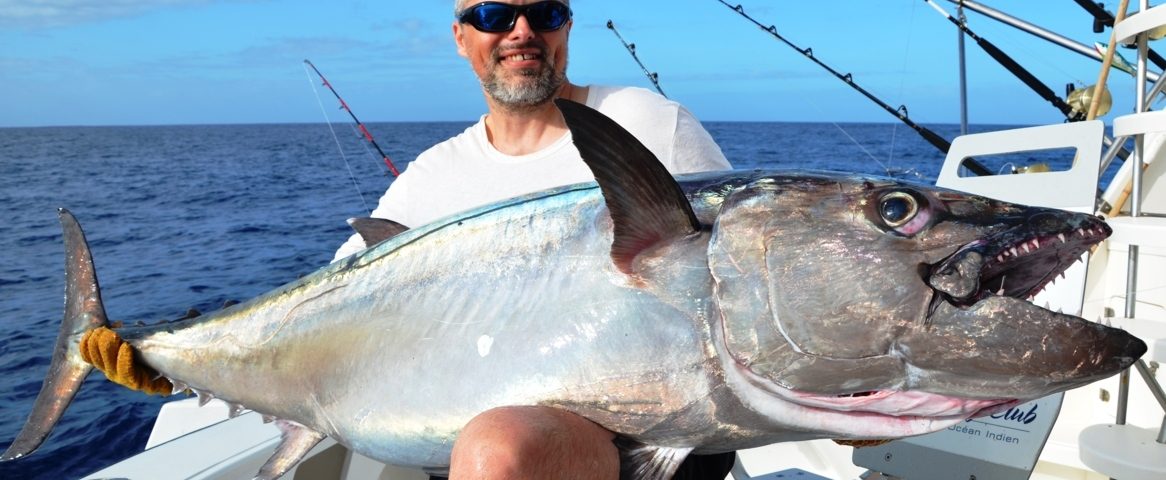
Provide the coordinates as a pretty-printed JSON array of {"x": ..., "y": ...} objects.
[
  {"x": 1115, "y": 146},
  {"x": 364, "y": 131},
  {"x": 1044, "y": 34},
  {"x": 901, "y": 113},
  {"x": 652, "y": 76},
  {"x": 1102, "y": 18},
  {"x": 1013, "y": 67}
]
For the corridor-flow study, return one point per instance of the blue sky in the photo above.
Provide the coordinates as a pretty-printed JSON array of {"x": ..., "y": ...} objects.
[{"x": 139, "y": 62}]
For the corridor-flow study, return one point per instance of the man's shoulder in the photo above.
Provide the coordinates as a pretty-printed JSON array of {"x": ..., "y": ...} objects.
[{"x": 628, "y": 98}]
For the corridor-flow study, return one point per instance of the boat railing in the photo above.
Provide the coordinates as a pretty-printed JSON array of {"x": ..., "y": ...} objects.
[{"x": 1121, "y": 450}]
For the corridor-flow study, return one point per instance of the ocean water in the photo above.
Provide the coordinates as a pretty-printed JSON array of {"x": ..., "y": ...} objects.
[{"x": 183, "y": 217}]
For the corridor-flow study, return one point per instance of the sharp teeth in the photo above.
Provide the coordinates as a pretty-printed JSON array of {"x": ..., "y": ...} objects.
[
  {"x": 1000, "y": 258},
  {"x": 1081, "y": 231},
  {"x": 1026, "y": 249},
  {"x": 1062, "y": 237},
  {"x": 1035, "y": 244},
  {"x": 1013, "y": 251}
]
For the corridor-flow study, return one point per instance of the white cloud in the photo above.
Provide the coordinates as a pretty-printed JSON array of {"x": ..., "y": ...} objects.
[{"x": 33, "y": 14}]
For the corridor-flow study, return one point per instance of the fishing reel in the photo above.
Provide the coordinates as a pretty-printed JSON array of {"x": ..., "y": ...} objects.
[{"x": 1079, "y": 100}]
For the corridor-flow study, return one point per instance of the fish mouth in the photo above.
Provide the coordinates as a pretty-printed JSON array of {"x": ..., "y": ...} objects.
[
  {"x": 879, "y": 414},
  {"x": 903, "y": 403},
  {"x": 1018, "y": 262}
]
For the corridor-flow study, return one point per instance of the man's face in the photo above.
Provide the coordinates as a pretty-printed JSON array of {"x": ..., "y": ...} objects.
[{"x": 520, "y": 68}]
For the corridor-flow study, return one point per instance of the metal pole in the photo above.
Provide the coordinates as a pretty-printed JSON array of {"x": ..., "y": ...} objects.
[
  {"x": 1135, "y": 211},
  {"x": 1155, "y": 388},
  {"x": 1139, "y": 141},
  {"x": 1115, "y": 145},
  {"x": 1162, "y": 431},
  {"x": 963, "y": 76}
]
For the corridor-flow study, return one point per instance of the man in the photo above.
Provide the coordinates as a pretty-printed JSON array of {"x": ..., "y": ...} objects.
[{"x": 518, "y": 50}]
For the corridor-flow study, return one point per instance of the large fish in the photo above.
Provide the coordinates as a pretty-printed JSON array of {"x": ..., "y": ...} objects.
[{"x": 706, "y": 314}]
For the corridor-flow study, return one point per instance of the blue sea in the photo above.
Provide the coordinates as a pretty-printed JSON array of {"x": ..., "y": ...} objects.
[{"x": 183, "y": 217}]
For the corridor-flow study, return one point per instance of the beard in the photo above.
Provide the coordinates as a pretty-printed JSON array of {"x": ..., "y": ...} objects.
[{"x": 526, "y": 88}]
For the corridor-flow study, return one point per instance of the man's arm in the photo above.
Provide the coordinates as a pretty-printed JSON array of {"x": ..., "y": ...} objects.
[{"x": 693, "y": 149}]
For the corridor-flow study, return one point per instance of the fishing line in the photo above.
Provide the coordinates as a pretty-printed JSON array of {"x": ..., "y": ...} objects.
[
  {"x": 372, "y": 158},
  {"x": 336, "y": 138},
  {"x": 1139, "y": 298},
  {"x": 861, "y": 147},
  {"x": 902, "y": 79},
  {"x": 344, "y": 106},
  {"x": 853, "y": 140}
]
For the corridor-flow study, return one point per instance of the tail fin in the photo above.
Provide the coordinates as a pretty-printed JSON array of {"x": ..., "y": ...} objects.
[{"x": 83, "y": 312}]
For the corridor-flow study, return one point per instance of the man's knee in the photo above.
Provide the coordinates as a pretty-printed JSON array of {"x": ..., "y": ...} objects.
[{"x": 533, "y": 442}]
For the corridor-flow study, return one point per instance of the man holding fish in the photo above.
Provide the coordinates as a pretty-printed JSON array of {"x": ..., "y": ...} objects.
[{"x": 518, "y": 50}]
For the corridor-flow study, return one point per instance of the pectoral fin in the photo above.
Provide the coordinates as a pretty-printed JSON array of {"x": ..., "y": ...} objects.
[
  {"x": 296, "y": 441},
  {"x": 638, "y": 461},
  {"x": 647, "y": 205}
]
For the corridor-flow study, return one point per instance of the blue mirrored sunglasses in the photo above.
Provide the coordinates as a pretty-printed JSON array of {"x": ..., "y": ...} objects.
[{"x": 496, "y": 17}]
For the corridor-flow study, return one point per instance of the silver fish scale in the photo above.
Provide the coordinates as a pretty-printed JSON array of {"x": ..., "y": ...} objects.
[{"x": 396, "y": 352}]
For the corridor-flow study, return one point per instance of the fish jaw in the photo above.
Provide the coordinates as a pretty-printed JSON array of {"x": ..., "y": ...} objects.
[
  {"x": 1007, "y": 346},
  {"x": 1000, "y": 344},
  {"x": 1018, "y": 261}
]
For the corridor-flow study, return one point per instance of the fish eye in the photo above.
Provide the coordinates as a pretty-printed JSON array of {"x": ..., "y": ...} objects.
[{"x": 898, "y": 208}]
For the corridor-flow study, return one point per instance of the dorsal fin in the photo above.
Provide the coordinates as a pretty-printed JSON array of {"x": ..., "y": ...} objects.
[
  {"x": 375, "y": 230},
  {"x": 647, "y": 205}
]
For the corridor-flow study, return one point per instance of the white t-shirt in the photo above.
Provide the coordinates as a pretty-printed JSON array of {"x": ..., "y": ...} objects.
[{"x": 466, "y": 171}]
